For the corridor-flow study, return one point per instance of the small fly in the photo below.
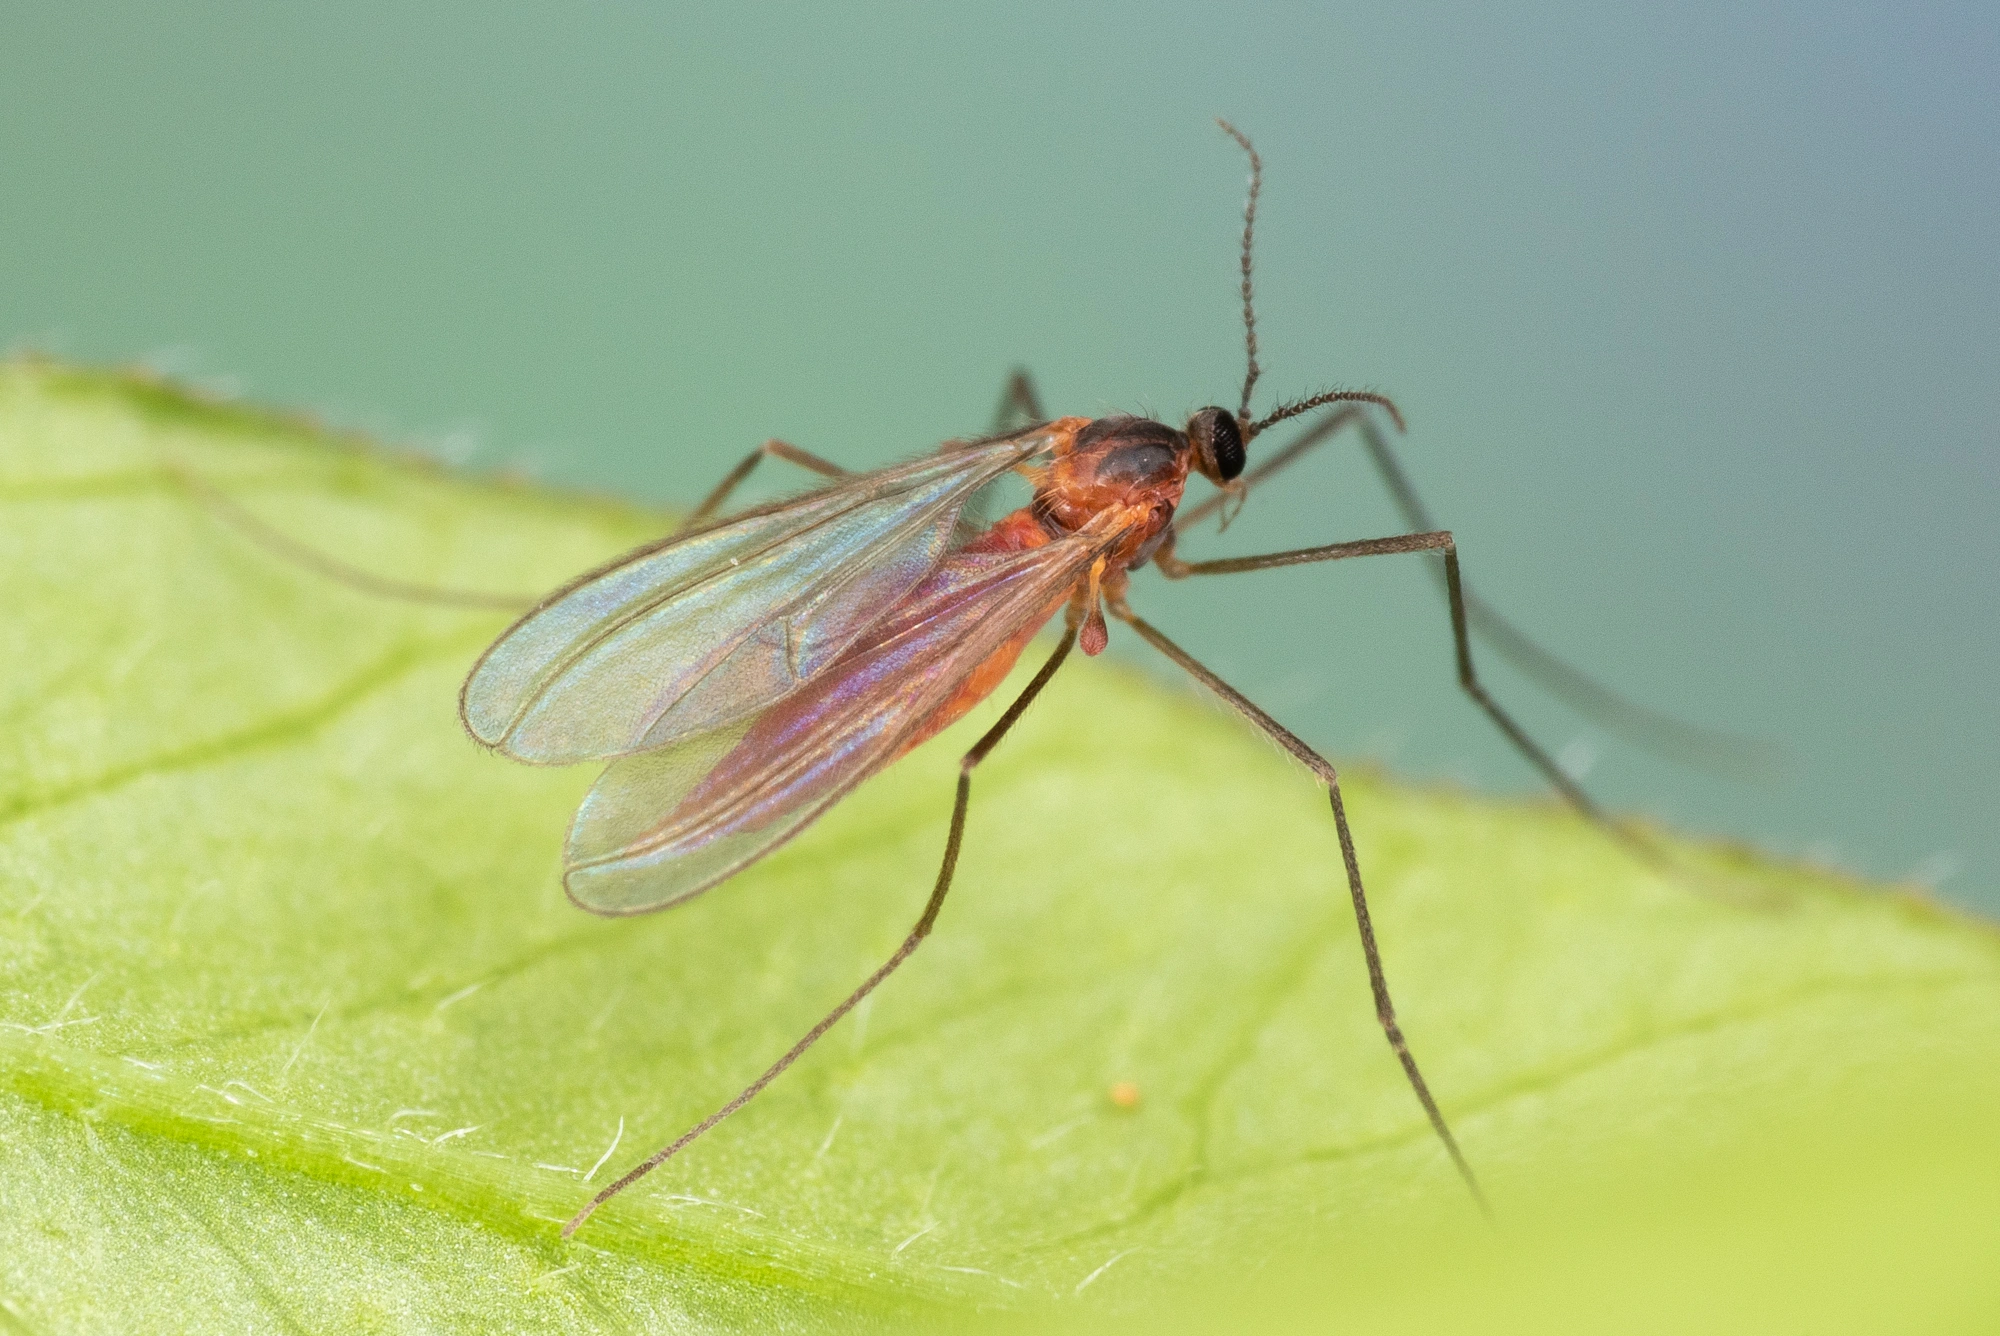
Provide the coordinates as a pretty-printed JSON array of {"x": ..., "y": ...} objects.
[{"x": 746, "y": 673}]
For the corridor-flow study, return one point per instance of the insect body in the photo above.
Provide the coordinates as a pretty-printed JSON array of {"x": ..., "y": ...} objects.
[
  {"x": 742, "y": 678},
  {"x": 743, "y": 675}
]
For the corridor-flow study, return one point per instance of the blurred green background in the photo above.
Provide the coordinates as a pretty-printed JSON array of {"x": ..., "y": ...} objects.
[{"x": 1694, "y": 311}]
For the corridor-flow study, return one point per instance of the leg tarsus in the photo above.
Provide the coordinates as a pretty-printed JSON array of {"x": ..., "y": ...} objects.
[
  {"x": 928, "y": 919},
  {"x": 1378, "y": 980},
  {"x": 288, "y": 549}
]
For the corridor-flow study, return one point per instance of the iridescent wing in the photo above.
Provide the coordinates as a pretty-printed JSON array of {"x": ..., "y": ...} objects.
[
  {"x": 663, "y": 826},
  {"x": 689, "y": 634}
]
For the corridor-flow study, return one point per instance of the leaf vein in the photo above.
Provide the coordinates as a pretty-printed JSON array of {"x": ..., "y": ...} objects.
[{"x": 280, "y": 730}]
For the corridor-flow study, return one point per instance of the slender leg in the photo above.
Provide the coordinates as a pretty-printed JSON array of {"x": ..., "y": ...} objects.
[
  {"x": 771, "y": 449},
  {"x": 1439, "y": 541},
  {"x": 289, "y": 549},
  {"x": 1019, "y": 406},
  {"x": 1675, "y": 739},
  {"x": 1378, "y": 982},
  {"x": 966, "y": 765},
  {"x": 1656, "y": 731}
]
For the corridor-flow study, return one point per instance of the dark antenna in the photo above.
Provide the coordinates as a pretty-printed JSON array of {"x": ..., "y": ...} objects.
[
  {"x": 1249, "y": 229},
  {"x": 1253, "y": 371},
  {"x": 1298, "y": 406}
]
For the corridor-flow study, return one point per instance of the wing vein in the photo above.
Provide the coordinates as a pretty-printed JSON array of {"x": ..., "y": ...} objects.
[
  {"x": 683, "y": 636},
  {"x": 663, "y": 826}
]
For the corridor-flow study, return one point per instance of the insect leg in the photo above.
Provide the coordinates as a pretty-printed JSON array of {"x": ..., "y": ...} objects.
[
  {"x": 289, "y": 549},
  {"x": 771, "y": 449},
  {"x": 1019, "y": 406},
  {"x": 1660, "y": 733},
  {"x": 1656, "y": 731},
  {"x": 925, "y": 922},
  {"x": 1378, "y": 982},
  {"x": 1438, "y": 541}
]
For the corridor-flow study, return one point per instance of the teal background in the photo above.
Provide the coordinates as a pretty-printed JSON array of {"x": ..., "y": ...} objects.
[{"x": 1694, "y": 311}]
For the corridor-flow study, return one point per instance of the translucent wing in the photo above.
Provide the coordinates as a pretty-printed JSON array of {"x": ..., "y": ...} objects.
[
  {"x": 663, "y": 826},
  {"x": 688, "y": 634}
]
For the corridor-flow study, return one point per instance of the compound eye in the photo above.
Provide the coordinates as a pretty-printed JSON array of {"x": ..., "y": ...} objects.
[{"x": 1218, "y": 444}]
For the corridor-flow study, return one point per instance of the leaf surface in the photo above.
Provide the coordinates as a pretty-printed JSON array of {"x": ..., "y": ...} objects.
[{"x": 298, "y": 1032}]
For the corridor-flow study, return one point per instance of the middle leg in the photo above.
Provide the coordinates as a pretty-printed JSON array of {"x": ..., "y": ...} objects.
[
  {"x": 1440, "y": 542},
  {"x": 1378, "y": 979}
]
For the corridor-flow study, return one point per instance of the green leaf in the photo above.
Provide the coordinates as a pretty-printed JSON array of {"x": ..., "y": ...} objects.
[{"x": 299, "y": 1031}]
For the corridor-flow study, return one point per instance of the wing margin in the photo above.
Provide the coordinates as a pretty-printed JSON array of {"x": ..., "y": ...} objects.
[{"x": 687, "y": 634}]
